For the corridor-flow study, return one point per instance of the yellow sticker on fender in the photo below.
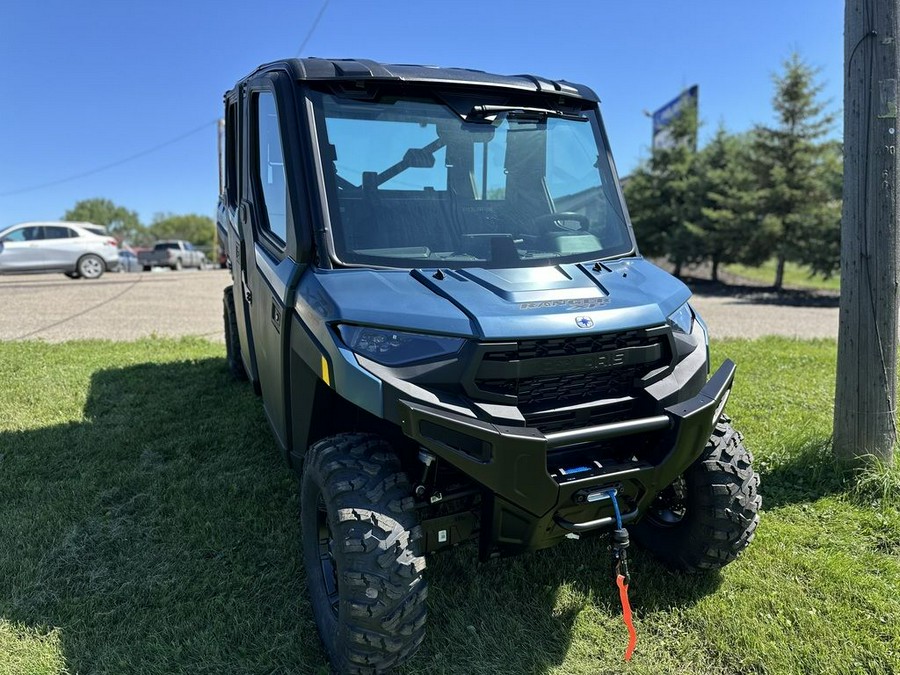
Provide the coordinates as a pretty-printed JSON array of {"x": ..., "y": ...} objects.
[{"x": 325, "y": 375}]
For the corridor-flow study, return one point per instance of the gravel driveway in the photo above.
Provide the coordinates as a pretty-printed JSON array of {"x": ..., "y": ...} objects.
[
  {"x": 129, "y": 306},
  {"x": 116, "y": 306}
]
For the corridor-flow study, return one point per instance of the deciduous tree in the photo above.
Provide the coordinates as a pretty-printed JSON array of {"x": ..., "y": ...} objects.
[
  {"x": 197, "y": 229},
  {"x": 122, "y": 223}
]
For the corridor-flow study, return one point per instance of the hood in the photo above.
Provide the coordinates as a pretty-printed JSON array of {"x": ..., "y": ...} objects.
[{"x": 500, "y": 304}]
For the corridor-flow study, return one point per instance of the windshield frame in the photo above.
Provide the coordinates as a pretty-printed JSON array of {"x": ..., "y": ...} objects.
[{"x": 448, "y": 97}]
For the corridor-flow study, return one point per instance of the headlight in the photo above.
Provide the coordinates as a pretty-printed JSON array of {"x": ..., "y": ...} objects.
[
  {"x": 396, "y": 348},
  {"x": 682, "y": 319}
]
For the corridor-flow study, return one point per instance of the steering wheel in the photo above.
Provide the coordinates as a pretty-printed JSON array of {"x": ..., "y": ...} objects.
[{"x": 581, "y": 222}]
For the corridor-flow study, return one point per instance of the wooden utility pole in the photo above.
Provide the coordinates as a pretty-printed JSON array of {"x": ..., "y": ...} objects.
[{"x": 865, "y": 415}]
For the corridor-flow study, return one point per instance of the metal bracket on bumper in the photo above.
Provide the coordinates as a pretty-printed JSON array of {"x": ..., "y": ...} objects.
[{"x": 511, "y": 462}]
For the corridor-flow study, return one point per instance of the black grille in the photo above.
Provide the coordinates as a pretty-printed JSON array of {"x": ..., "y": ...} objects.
[
  {"x": 571, "y": 388},
  {"x": 571, "y": 346},
  {"x": 556, "y": 390},
  {"x": 581, "y": 417}
]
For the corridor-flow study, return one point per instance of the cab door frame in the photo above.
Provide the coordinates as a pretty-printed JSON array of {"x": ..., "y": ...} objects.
[
  {"x": 229, "y": 216},
  {"x": 272, "y": 261}
]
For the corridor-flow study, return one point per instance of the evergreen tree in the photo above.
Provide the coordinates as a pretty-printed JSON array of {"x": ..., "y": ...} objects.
[
  {"x": 664, "y": 196},
  {"x": 791, "y": 163},
  {"x": 730, "y": 229}
]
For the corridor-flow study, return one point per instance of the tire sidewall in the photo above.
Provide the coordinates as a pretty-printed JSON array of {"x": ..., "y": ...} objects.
[
  {"x": 381, "y": 591},
  {"x": 328, "y": 624}
]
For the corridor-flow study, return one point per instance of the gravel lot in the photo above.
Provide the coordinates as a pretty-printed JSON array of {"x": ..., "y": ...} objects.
[
  {"x": 116, "y": 306},
  {"x": 129, "y": 306}
]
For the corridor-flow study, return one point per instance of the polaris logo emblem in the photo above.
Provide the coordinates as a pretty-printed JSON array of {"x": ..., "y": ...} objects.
[{"x": 584, "y": 321}]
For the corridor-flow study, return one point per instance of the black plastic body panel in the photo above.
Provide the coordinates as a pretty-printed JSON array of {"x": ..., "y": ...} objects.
[{"x": 528, "y": 508}]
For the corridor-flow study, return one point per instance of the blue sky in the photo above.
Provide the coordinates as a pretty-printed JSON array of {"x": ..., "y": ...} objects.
[{"x": 86, "y": 84}]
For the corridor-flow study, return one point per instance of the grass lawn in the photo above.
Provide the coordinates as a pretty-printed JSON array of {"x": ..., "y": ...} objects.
[
  {"x": 795, "y": 276},
  {"x": 148, "y": 526}
]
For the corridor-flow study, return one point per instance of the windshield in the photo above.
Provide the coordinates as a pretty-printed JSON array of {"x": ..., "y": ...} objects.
[{"x": 414, "y": 183}]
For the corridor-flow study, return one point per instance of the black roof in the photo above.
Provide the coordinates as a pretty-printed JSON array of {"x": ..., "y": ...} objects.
[{"x": 361, "y": 69}]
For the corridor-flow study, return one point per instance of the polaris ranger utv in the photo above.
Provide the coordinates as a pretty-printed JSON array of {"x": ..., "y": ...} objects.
[{"x": 438, "y": 294}]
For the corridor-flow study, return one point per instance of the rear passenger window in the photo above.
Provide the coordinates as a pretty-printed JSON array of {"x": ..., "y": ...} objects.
[
  {"x": 56, "y": 232},
  {"x": 271, "y": 177}
]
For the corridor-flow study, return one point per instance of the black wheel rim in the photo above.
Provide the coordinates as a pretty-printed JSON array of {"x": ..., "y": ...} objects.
[
  {"x": 326, "y": 556},
  {"x": 670, "y": 506}
]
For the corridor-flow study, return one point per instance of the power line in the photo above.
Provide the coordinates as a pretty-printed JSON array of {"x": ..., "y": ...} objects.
[
  {"x": 171, "y": 141},
  {"x": 130, "y": 158},
  {"x": 312, "y": 29}
]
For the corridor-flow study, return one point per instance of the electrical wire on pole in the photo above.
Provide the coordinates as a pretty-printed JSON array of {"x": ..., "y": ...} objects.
[{"x": 865, "y": 401}]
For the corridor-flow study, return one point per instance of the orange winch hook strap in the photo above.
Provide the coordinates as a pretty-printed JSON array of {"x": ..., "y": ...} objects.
[{"x": 626, "y": 615}]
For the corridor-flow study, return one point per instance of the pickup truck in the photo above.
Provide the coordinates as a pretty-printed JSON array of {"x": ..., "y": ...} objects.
[{"x": 175, "y": 254}]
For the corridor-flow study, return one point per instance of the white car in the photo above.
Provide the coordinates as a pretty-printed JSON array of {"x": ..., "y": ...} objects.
[{"x": 76, "y": 249}]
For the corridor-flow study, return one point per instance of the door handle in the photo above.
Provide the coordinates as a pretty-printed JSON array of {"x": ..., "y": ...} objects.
[{"x": 276, "y": 317}]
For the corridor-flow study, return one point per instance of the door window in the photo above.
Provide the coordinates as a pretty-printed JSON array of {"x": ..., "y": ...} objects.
[
  {"x": 270, "y": 177},
  {"x": 231, "y": 131},
  {"x": 25, "y": 234},
  {"x": 57, "y": 232}
]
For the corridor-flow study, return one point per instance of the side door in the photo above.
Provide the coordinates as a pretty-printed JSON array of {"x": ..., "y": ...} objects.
[
  {"x": 61, "y": 246},
  {"x": 191, "y": 255},
  {"x": 20, "y": 250},
  {"x": 267, "y": 224},
  {"x": 230, "y": 222}
]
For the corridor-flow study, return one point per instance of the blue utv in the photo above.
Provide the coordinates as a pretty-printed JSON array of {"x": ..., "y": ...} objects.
[{"x": 438, "y": 295}]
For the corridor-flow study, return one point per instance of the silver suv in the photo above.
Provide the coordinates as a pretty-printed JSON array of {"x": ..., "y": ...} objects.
[{"x": 76, "y": 249}]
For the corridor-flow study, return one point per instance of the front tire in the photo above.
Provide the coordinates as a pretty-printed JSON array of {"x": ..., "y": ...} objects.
[
  {"x": 360, "y": 537},
  {"x": 709, "y": 514}
]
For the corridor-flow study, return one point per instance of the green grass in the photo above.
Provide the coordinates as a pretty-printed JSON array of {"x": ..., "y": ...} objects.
[
  {"x": 795, "y": 276},
  {"x": 148, "y": 526}
]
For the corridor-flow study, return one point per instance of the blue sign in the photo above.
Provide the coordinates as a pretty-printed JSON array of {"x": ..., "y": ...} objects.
[{"x": 663, "y": 117}]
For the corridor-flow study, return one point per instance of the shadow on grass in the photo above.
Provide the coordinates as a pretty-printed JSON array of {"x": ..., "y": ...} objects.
[
  {"x": 764, "y": 295},
  {"x": 160, "y": 535},
  {"x": 808, "y": 474}
]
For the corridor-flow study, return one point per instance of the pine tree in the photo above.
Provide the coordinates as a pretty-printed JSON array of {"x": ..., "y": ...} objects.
[
  {"x": 664, "y": 196},
  {"x": 730, "y": 229},
  {"x": 791, "y": 162}
]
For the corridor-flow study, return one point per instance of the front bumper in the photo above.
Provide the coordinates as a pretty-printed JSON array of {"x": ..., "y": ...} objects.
[{"x": 530, "y": 502}]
